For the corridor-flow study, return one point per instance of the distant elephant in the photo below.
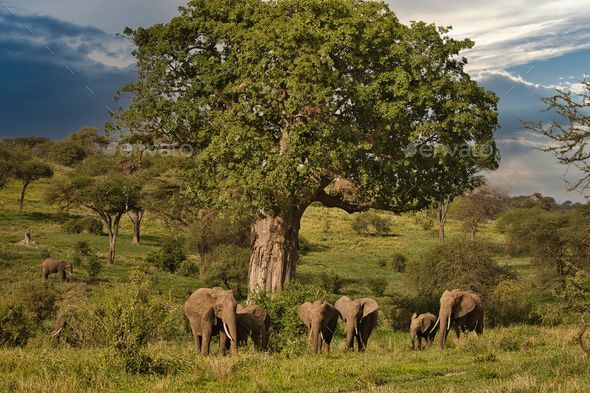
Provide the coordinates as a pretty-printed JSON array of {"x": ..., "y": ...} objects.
[
  {"x": 360, "y": 318},
  {"x": 253, "y": 321},
  {"x": 321, "y": 319},
  {"x": 421, "y": 327},
  {"x": 63, "y": 268},
  {"x": 64, "y": 319},
  {"x": 211, "y": 312},
  {"x": 461, "y": 310}
]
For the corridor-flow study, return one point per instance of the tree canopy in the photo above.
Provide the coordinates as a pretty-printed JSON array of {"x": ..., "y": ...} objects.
[{"x": 280, "y": 99}]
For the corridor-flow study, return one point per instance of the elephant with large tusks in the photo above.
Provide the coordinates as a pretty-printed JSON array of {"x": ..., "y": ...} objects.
[
  {"x": 460, "y": 310},
  {"x": 360, "y": 318},
  {"x": 321, "y": 319},
  {"x": 63, "y": 268},
  {"x": 211, "y": 312},
  {"x": 421, "y": 327}
]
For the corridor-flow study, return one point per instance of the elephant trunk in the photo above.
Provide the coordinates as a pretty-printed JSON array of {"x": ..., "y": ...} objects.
[
  {"x": 315, "y": 337},
  {"x": 351, "y": 332},
  {"x": 231, "y": 330},
  {"x": 445, "y": 324}
]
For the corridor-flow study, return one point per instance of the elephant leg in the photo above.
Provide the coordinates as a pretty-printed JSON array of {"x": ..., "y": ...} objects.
[
  {"x": 359, "y": 342},
  {"x": 205, "y": 341},
  {"x": 413, "y": 340},
  {"x": 419, "y": 343},
  {"x": 196, "y": 337},
  {"x": 223, "y": 342},
  {"x": 457, "y": 332}
]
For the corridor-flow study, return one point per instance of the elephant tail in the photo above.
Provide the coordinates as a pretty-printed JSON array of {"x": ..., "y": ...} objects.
[{"x": 414, "y": 316}]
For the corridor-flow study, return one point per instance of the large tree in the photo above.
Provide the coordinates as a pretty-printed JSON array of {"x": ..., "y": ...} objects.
[
  {"x": 29, "y": 171},
  {"x": 282, "y": 98}
]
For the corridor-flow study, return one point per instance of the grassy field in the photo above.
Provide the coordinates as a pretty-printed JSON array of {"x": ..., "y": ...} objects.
[{"x": 515, "y": 359}]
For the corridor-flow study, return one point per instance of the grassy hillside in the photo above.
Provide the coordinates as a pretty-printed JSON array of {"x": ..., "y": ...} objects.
[{"x": 515, "y": 359}]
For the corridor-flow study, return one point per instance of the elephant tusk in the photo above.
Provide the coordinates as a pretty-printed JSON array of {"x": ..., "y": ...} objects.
[
  {"x": 322, "y": 336},
  {"x": 227, "y": 332},
  {"x": 435, "y": 325},
  {"x": 356, "y": 331},
  {"x": 58, "y": 331},
  {"x": 449, "y": 323}
]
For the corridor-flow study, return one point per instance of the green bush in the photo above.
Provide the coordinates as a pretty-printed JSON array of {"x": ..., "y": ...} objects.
[
  {"x": 66, "y": 153},
  {"x": 398, "y": 309},
  {"x": 38, "y": 298},
  {"x": 287, "y": 331},
  {"x": 399, "y": 262},
  {"x": 93, "y": 268},
  {"x": 370, "y": 223},
  {"x": 331, "y": 282},
  {"x": 188, "y": 268},
  {"x": 16, "y": 323},
  {"x": 82, "y": 248},
  {"x": 169, "y": 257},
  {"x": 86, "y": 224},
  {"x": 464, "y": 264},
  {"x": 377, "y": 285},
  {"x": 508, "y": 305}
]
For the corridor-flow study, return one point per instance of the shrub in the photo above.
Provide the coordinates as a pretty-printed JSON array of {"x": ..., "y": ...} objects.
[
  {"x": 399, "y": 262},
  {"x": 86, "y": 224},
  {"x": 287, "y": 329},
  {"x": 377, "y": 285},
  {"x": 38, "y": 298},
  {"x": 331, "y": 282},
  {"x": 188, "y": 268},
  {"x": 169, "y": 257},
  {"x": 93, "y": 267},
  {"x": 464, "y": 264},
  {"x": 66, "y": 153},
  {"x": 228, "y": 266},
  {"x": 72, "y": 226},
  {"x": 82, "y": 248},
  {"x": 399, "y": 308},
  {"x": 508, "y": 305},
  {"x": 370, "y": 223},
  {"x": 16, "y": 324}
]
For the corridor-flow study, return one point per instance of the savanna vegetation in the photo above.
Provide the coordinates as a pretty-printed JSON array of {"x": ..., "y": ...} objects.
[{"x": 333, "y": 151}]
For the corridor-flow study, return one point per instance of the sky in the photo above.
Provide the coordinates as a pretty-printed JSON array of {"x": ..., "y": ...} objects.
[{"x": 61, "y": 64}]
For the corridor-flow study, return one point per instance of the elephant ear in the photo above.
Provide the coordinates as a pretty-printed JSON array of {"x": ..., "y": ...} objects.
[
  {"x": 304, "y": 312},
  {"x": 464, "y": 306},
  {"x": 204, "y": 304},
  {"x": 330, "y": 312},
  {"x": 369, "y": 306},
  {"x": 425, "y": 325},
  {"x": 341, "y": 304}
]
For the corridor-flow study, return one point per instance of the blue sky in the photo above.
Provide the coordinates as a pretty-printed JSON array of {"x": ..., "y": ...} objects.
[{"x": 61, "y": 65}]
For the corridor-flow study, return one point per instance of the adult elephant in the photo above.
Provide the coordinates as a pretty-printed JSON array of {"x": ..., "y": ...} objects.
[
  {"x": 461, "y": 310},
  {"x": 321, "y": 319},
  {"x": 421, "y": 327},
  {"x": 60, "y": 266},
  {"x": 360, "y": 318},
  {"x": 211, "y": 312},
  {"x": 254, "y": 322}
]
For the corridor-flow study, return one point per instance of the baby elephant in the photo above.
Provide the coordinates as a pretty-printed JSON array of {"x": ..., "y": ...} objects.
[
  {"x": 321, "y": 319},
  {"x": 422, "y": 327},
  {"x": 64, "y": 268}
]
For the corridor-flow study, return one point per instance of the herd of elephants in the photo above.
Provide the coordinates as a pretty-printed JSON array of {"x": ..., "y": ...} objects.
[{"x": 215, "y": 312}]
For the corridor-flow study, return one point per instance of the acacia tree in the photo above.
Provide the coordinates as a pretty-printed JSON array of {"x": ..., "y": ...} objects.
[
  {"x": 480, "y": 205},
  {"x": 103, "y": 190},
  {"x": 280, "y": 99},
  {"x": 29, "y": 171},
  {"x": 570, "y": 137}
]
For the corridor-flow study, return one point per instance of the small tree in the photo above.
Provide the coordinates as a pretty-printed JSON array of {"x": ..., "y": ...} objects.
[
  {"x": 479, "y": 206},
  {"x": 29, "y": 171},
  {"x": 66, "y": 153},
  {"x": 109, "y": 196}
]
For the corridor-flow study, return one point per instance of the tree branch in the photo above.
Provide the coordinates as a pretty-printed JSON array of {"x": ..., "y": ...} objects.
[{"x": 334, "y": 201}]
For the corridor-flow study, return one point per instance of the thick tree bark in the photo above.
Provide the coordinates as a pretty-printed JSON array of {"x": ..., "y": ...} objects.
[
  {"x": 443, "y": 207},
  {"x": 135, "y": 216},
  {"x": 274, "y": 254},
  {"x": 22, "y": 197}
]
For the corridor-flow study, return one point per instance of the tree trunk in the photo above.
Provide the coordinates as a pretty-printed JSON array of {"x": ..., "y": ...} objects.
[
  {"x": 443, "y": 207},
  {"x": 22, "y": 197},
  {"x": 274, "y": 252},
  {"x": 135, "y": 217},
  {"x": 113, "y": 227}
]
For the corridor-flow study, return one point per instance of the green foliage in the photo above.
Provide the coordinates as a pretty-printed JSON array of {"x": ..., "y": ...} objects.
[
  {"x": 37, "y": 297},
  {"x": 399, "y": 262},
  {"x": 226, "y": 265},
  {"x": 398, "y": 308},
  {"x": 331, "y": 282},
  {"x": 370, "y": 222},
  {"x": 457, "y": 264},
  {"x": 287, "y": 328},
  {"x": 377, "y": 285},
  {"x": 281, "y": 128},
  {"x": 16, "y": 324},
  {"x": 479, "y": 206},
  {"x": 188, "y": 268},
  {"x": 82, "y": 247},
  {"x": 508, "y": 305},
  {"x": 85, "y": 224},
  {"x": 93, "y": 267},
  {"x": 66, "y": 153},
  {"x": 170, "y": 255}
]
